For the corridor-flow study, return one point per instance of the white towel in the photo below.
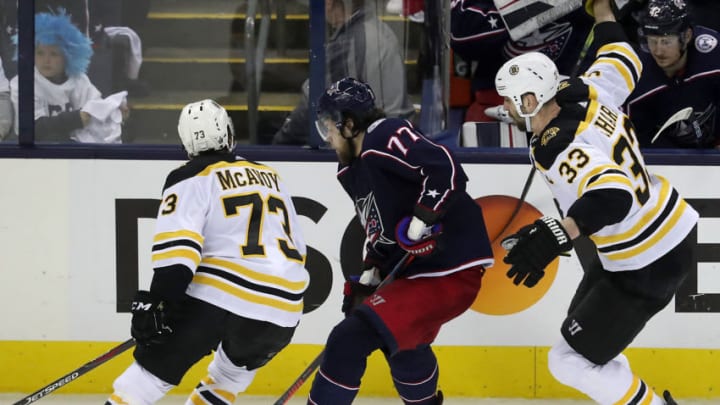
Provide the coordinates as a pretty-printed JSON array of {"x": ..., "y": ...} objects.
[
  {"x": 134, "y": 57},
  {"x": 105, "y": 124}
]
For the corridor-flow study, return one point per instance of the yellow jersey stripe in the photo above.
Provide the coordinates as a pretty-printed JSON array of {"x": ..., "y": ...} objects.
[
  {"x": 243, "y": 271},
  {"x": 591, "y": 111},
  {"x": 237, "y": 163},
  {"x": 646, "y": 219},
  {"x": 180, "y": 252},
  {"x": 182, "y": 234},
  {"x": 666, "y": 228},
  {"x": 582, "y": 184},
  {"x": 631, "y": 55},
  {"x": 245, "y": 295},
  {"x": 610, "y": 178},
  {"x": 622, "y": 69}
]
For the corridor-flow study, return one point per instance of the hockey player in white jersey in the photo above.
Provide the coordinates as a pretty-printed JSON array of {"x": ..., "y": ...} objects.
[
  {"x": 586, "y": 150},
  {"x": 229, "y": 276}
]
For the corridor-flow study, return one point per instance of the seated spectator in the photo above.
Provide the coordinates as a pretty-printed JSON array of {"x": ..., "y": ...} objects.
[
  {"x": 360, "y": 46},
  {"x": 65, "y": 99},
  {"x": 117, "y": 48},
  {"x": 681, "y": 69}
]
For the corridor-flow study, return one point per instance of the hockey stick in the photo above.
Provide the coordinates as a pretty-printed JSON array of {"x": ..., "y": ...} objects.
[
  {"x": 310, "y": 369},
  {"x": 683, "y": 114},
  {"x": 73, "y": 375},
  {"x": 583, "y": 52},
  {"x": 522, "y": 17},
  {"x": 519, "y": 204}
]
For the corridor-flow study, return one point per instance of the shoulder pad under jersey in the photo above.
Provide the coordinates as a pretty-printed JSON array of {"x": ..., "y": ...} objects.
[
  {"x": 195, "y": 166},
  {"x": 572, "y": 91},
  {"x": 554, "y": 139}
]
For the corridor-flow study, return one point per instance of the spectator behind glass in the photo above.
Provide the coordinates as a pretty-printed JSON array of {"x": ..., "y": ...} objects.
[
  {"x": 360, "y": 46},
  {"x": 479, "y": 37},
  {"x": 62, "y": 88},
  {"x": 681, "y": 69},
  {"x": 6, "y": 107}
]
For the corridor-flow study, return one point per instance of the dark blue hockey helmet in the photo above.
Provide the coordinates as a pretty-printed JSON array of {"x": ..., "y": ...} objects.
[
  {"x": 665, "y": 17},
  {"x": 346, "y": 98}
]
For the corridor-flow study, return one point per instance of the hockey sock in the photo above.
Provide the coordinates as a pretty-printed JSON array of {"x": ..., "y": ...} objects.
[
  {"x": 607, "y": 384},
  {"x": 348, "y": 346},
  {"x": 223, "y": 382},
  {"x": 415, "y": 375},
  {"x": 137, "y": 386}
]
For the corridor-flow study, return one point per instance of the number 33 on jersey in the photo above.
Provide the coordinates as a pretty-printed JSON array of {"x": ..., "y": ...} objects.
[{"x": 592, "y": 146}]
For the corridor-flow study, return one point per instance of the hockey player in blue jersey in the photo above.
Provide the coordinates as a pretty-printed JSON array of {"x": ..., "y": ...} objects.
[
  {"x": 409, "y": 194},
  {"x": 681, "y": 69}
]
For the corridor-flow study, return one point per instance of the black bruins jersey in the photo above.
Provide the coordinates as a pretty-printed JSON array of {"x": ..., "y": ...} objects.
[
  {"x": 232, "y": 222},
  {"x": 591, "y": 145}
]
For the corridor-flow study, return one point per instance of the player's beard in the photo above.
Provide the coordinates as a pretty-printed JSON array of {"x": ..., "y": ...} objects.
[
  {"x": 346, "y": 152},
  {"x": 518, "y": 120}
]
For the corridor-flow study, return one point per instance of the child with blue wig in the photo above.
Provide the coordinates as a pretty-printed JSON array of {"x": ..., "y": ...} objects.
[{"x": 62, "y": 87}]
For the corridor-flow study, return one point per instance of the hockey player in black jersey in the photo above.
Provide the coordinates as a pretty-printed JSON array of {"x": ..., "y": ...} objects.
[
  {"x": 409, "y": 194},
  {"x": 228, "y": 258},
  {"x": 586, "y": 150},
  {"x": 681, "y": 69}
]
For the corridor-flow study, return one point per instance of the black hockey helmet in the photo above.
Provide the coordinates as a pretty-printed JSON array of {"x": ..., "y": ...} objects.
[
  {"x": 665, "y": 17},
  {"x": 346, "y": 98}
]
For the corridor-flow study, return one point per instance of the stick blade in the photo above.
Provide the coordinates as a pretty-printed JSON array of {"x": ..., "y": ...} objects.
[{"x": 683, "y": 114}]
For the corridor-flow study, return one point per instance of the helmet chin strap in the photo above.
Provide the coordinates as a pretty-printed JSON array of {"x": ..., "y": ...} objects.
[{"x": 528, "y": 125}]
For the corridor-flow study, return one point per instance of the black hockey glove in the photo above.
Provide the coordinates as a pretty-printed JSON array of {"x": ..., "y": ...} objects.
[
  {"x": 532, "y": 248},
  {"x": 358, "y": 288},
  {"x": 698, "y": 131},
  {"x": 414, "y": 236},
  {"x": 149, "y": 323}
]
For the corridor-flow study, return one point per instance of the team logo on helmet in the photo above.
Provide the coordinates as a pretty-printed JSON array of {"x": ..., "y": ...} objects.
[
  {"x": 514, "y": 69},
  {"x": 679, "y": 3},
  {"x": 705, "y": 43}
]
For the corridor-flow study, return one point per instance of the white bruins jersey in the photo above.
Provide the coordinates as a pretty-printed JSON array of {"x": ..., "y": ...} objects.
[
  {"x": 232, "y": 223},
  {"x": 52, "y": 99},
  {"x": 591, "y": 145}
]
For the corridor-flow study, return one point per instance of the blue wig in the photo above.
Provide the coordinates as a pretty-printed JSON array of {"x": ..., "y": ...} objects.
[{"x": 56, "y": 29}]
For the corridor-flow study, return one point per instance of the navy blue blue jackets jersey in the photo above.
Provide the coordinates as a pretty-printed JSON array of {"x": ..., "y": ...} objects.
[
  {"x": 656, "y": 96},
  {"x": 400, "y": 172},
  {"x": 477, "y": 33}
]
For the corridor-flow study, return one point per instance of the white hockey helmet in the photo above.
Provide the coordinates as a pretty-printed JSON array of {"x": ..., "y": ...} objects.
[
  {"x": 531, "y": 72},
  {"x": 205, "y": 125}
]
